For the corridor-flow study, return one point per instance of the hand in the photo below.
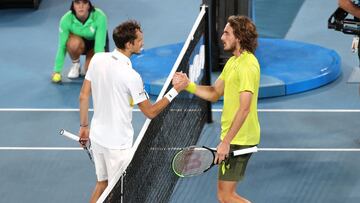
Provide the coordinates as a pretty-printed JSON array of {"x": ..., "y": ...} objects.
[
  {"x": 354, "y": 44},
  {"x": 84, "y": 136},
  {"x": 178, "y": 78},
  {"x": 180, "y": 81},
  {"x": 223, "y": 150},
  {"x": 345, "y": 4}
]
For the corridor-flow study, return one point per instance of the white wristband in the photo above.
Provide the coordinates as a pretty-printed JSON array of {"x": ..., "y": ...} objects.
[{"x": 171, "y": 94}]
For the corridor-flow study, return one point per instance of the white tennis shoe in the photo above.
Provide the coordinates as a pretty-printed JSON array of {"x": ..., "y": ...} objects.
[
  {"x": 74, "y": 71},
  {"x": 82, "y": 72}
]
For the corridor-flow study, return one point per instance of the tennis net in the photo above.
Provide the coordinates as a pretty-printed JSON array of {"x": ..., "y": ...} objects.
[{"x": 149, "y": 177}]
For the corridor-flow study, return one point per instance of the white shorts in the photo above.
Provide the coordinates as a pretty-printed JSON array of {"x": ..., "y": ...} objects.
[{"x": 108, "y": 161}]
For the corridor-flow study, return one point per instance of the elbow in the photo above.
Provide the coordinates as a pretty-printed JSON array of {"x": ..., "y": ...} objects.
[
  {"x": 214, "y": 100},
  {"x": 150, "y": 114},
  {"x": 215, "y": 97},
  {"x": 83, "y": 97},
  {"x": 246, "y": 111}
]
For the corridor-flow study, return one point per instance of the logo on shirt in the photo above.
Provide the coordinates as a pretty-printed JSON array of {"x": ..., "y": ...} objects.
[
  {"x": 131, "y": 102},
  {"x": 144, "y": 92},
  {"x": 197, "y": 65},
  {"x": 92, "y": 29}
]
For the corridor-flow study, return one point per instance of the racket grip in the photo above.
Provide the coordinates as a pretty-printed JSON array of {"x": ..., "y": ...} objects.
[
  {"x": 245, "y": 151},
  {"x": 69, "y": 135}
]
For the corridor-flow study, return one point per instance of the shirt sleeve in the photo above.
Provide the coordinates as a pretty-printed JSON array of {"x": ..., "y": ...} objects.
[
  {"x": 137, "y": 91},
  {"x": 91, "y": 68},
  {"x": 247, "y": 78},
  {"x": 100, "y": 35},
  {"x": 63, "y": 37},
  {"x": 222, "y": 75}
]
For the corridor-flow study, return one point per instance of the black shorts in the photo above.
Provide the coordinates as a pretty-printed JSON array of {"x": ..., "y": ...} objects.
[
  {"x": 234, "y": 168},
  {"x": 89, "y": 44}
]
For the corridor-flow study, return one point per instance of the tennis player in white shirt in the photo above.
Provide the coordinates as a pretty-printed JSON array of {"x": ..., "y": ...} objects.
[{"x": 115, "y": 88}]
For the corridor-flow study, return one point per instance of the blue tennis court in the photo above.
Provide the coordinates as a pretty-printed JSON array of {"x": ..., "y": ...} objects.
[{"x": 38, "y": 165}]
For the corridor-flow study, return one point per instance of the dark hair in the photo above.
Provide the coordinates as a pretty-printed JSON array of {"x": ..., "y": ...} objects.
[
  {"x": 91, "y": 8},
  {"x": 245, "y": 31},
  {"x": 125, "y": 32}
]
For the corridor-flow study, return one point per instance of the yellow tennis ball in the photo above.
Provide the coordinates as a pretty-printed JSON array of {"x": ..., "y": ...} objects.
[{"x": 56, "y": 77}]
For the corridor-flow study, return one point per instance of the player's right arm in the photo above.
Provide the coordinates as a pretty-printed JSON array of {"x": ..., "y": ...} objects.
[
  {"x": 152, "y": 110},
  {"x": 350, "y": 7},
  {"x": 64, "y": 33},
  {"x": 100, "y": 35},
  {"x": 210, "y": 93},
  {"x": 84, "y": 98},
  {"x": 84, "y": 102}
]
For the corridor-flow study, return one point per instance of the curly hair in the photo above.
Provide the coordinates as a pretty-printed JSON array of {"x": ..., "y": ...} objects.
[
  {"x": 245, "y": 31},
  {"x": 125, "y": 32}
]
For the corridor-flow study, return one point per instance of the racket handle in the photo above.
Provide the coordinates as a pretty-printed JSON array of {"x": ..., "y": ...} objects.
[
  {"x": 245, "y": 151},
  {"x": 69, "y": 135}
]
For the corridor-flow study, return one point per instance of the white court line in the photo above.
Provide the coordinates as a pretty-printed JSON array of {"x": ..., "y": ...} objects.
[
  {"x": 213, "y": 110},
  {"x": 312, "y": 110},
  {"x": 310, "y": 149},
  {"x": 40, "y": 148},
  {"x": 304, "y": 110},
  {"x": 163, "y": 149},
  {"x": 39, "y": 110}
]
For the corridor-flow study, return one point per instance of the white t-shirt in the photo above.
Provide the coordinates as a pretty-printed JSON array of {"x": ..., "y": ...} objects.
[{"x": 116, "y": 87}]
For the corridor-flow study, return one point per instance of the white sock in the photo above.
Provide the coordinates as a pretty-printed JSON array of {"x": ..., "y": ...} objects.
[{"x": 76, "y": 60}]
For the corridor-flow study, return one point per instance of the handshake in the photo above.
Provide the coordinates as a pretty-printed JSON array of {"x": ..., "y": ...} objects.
[
  {"x": 180, "y": 81},
  {"x": 339, "y": 22}
]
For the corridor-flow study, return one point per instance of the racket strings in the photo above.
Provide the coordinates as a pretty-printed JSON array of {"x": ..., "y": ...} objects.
[{"x": 189, "y": 162}]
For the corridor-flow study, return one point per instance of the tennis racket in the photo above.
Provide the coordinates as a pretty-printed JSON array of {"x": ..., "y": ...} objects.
[
  {"x": 87, "y": 148},
  {"x": 193, "y": 160}
]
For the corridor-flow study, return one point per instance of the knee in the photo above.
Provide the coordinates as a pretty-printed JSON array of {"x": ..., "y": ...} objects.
[{"x": 74, "y": 45}]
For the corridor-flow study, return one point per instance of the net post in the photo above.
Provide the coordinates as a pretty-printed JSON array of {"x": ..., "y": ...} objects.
[
  {"x": 212, "y": 7},
  {"x": 207, "y": 63},
  {"x": 220, "y": 10}
]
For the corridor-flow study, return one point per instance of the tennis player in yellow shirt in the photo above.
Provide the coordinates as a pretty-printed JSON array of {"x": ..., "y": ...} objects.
[{"x": 239, "y": 84}]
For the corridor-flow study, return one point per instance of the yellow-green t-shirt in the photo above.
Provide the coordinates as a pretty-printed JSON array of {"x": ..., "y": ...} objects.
[{"x": 241, "y": 74}]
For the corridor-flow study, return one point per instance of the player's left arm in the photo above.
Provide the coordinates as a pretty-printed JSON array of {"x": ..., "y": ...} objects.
[
  {"x": 84, "y": 97},
  {"x": 84, "y": 100},
  {"x": 64, "y": 32},
  {"x": 100, "y": 35},
  {"x": 240, "y": 117}
]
